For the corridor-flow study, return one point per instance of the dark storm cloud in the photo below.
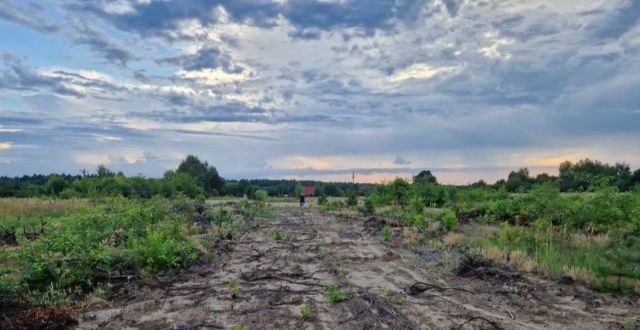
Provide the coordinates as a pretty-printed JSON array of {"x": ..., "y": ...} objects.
[
  {"x": 18, "y": 75},
  {"x": 210, "y": 57},
  {"x": 162, "y": 18},
  {"x": 102, "y": 45},
  {"x": 159, "y": 18},
  {"x": 27, "y": 14},
  {"x": 617, "y": 22},
  {"x": 194, "y": 113},
  {"x": 401, "y": 161},
  {"x": 453, "y": 6}
]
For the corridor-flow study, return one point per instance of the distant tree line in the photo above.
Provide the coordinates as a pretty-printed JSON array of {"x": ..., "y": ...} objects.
[
  {"x": 584, "y": 175},
  {"x": 192, "y": 178},
  {"x": 196, "y": 178}
]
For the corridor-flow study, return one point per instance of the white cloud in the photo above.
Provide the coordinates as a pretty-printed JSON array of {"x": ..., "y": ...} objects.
[
  {"x": 213, "y": 77},
  {"x": 493, "y": 50},
  {"x": 5, "y": 145},
  {"x": 421, "y": 71}
]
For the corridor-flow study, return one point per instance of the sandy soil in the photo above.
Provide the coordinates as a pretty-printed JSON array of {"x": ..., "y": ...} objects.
[{"x": 389, "y": 286}]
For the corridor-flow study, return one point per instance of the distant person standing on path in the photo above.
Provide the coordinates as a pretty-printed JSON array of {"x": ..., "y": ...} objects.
[{"x": 301, "y": 200}]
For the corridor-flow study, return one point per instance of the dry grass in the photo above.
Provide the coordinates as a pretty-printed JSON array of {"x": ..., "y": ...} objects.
[
  {"x": 637, "y": 286},
  {"x": 453, "y": 239},
  {"x": 33, "y": 206},
  {"x": 411, "y": 235},
  {"x": 521, "y": 261},
  {"x": 434, "y": 245},
  {"x": 582, "y": 239},
  {"x": 449, "y": 261},
  {"x": 579, "y": 274},
  {"x": 494, "y": 254}
]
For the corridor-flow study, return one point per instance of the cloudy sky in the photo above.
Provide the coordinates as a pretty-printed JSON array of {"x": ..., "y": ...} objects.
[{"x": 318, "y": 89}]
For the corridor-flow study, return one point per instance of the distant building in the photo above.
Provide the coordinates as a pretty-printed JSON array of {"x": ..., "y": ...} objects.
[{"x": 309, "y": 191}]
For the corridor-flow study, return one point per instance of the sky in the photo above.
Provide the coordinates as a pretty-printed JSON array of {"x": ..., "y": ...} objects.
[{"x": 470, "y": 89}]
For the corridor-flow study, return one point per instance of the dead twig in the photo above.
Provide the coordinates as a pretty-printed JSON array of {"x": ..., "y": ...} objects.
[
  {"x": 494, "y": 324},
  {"x": 420, "y": 287}
]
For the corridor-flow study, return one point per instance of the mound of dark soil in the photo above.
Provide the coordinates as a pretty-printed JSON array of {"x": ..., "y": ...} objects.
[
  {"x": 477, "y": 268},
  {"x": 58, "y": 317}
]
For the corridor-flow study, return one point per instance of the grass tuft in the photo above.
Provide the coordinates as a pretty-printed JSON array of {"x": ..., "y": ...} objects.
[{"x": 334, "y": 294}]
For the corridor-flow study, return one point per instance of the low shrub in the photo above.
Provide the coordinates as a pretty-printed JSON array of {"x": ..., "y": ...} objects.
[
  {"x": 449, "y": 220},
  {"x": 334, "y": 294},
  {"x": 386, "y": 233},
  {"x": 453, "y": 239},
  {"x": 277, "y": 234},
  {"x": 305, "y": 311}
]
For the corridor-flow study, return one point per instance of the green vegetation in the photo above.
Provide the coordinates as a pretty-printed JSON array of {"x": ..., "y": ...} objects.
[
  {"x": 93, "y": 230},
  {"x": 305, "y": 311},
  {"x": 630, "y": 323},
  {"x": 277, "y": 234},
  {"x": 367, "y": 208},
  {"x": 352, "y": 199},
  {"x": 334, "y": 294},
  {"x": 591, "y": 236},
  {"x": 234, "y": 288},
  {"x": 449, "y": 220},
  {"x": 88, "y": 245},
  {"x": 386, "y": 233}
]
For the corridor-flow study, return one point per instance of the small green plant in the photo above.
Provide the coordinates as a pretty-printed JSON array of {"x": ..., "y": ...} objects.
[
  {"x": 419, "y": 223},
  {"x": 417, "y": 204},
  {"x": 368, "y": 208},
  {"x": 342, "y": 272},
  {"x": 400, "y": 299},
  {"x": 234, "y": 288},
  {"x": 385, "y": 291},
  {"x": 317, "y": 247},
  {"x": 305, "y": 311},
  {"x": 239, "y": 327},
  {"x": 386, "y": 233},
  {"x": 630, "y": 323},
  {"x": 352, "y": 199},
  {"x": 294, "y": 267},
  {"x": 322, "y": 200},
  {"x": 334, "y": 294},
  {"x": 277, "y": 234},
  {"x": 449, "y": 220}
]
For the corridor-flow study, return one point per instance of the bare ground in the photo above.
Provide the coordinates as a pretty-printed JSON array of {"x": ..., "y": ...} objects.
[{"x": 388, "y": 284}]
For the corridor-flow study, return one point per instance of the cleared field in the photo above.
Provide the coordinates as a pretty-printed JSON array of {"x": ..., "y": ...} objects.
[{"x": 257, "y": 281}]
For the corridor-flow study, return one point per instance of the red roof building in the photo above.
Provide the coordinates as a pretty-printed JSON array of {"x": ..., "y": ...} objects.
[{"x": 309, "y": 191}]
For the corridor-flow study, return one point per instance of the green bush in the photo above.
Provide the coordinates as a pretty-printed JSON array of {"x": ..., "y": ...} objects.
[
  {"x": 334, "y": 294},
  {"x": 277, "y": 234},
  {"x": 80, "y": 248},
  {"x": 305, "y": 311},
  {"x": 352, "y": 200},
  {"x": 261, "y": 195},
  {"x": 449, "y": 220},
  {"x": 368, "y": 208},
  {"x": 386, "y": 233},
  {"x": 162, "y": 247}
]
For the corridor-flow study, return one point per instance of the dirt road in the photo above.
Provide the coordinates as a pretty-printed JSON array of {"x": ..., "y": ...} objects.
[{"x": 388, "y": 285}]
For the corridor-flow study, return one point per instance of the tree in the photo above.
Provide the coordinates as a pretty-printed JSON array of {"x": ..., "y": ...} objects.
[
  {"x": 518, "y": 181},
  {"x": 425, "y": 176},
  {"x": 330, "y": 189},
  {"x": 56, "y": 183},
  {"x": 206, "y": 175},
  {"x": 104, "y": 172},
  {"x": 298, "y": 190},
  {"x": 399, "y": 190}
]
